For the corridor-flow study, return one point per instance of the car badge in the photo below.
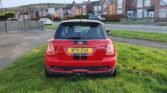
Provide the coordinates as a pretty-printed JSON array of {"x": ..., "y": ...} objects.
[{"x": 80, "y": 42}]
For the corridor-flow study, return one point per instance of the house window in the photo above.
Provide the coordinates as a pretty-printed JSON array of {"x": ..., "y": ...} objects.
[
  {"x": 105, "y": 10},
  {"x": 83, "y": 7},
  {"x": 139, "y": 13},
  {"x": 145, "y": 13},
  {"x": 146, "y": 2},
  {"x": 129, "y": 14},
  {"x": 163, "y": 2},
  {"x": 151, "y": 14},
  {"x": 119, "y": 11},
  {"x": 139, "y": 3},
  {"x": 99, "y": 7},
  {"x": 163, "y": 13},
  {"x": 120, "y": 3},
  {"x": 95, "y": 8},
  {"x": 105, "y": 6}
]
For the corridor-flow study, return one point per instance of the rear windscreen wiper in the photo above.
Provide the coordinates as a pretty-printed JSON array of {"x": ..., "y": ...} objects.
[{"x": 73, "y": 38}]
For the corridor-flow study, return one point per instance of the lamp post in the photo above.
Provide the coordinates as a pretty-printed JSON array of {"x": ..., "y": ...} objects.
[
  {"x": 1, "y": 6},
  {"x": 64, "y": 11}
]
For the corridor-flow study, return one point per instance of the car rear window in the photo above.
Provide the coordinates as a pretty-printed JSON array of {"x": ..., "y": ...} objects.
[{"x": 80, "y": 31}]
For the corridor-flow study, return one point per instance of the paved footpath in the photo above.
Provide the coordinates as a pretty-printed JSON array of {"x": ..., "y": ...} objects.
[{"x": 14, "y": 45}]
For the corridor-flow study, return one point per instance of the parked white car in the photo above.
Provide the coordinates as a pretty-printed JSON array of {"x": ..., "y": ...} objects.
[{"x": 46, "y": 21}]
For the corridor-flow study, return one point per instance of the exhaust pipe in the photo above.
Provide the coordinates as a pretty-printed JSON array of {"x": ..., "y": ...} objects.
[{"x": 80, "y": 74}]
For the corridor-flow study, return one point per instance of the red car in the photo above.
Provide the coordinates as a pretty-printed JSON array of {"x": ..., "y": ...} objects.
[{"x": 80, "y": 47}]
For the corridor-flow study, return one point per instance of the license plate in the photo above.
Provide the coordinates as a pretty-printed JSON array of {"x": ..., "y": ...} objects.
[{"x": 80, "y": 50}]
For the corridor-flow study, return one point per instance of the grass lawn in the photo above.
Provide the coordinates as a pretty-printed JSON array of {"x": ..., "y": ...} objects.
[
  {"x": 52, "y": 27},
  {"x": 141, "y": 70},
  {"x": 161, "y": 37}
]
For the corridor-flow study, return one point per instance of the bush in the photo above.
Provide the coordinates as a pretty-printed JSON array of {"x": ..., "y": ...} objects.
[
  {"x": 10, "y": 15},
  {"x": 56, "y": 19},
  {"x": 113, "y": 18},
  {"x": 4, "y": 16},
  {"x": 81, "y": 17},
  {"x": 78, "y": 17},
  {"x": 68, "y": 18}
]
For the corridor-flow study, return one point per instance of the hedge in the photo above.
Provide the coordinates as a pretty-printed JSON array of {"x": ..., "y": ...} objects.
[
  {"x": 4, "y": 16},
  {"x": 113, "y": 18}
]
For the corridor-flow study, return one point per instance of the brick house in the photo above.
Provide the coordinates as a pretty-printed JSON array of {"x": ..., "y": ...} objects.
[
  {"x": 91, "y": 8},
  {"x": 146, "y": 9},
  {"x": 96, "y": 7},
  {"x": 108, "y": 7},
  {"x": 160, "y": 9},
  {"x": 140, "y": 8},
  {"x": 84, "y": 8},
  {"x": 71, "y": 10},
  {"x": 121, "y": 7},
  {"x": 59, "y": 12}
]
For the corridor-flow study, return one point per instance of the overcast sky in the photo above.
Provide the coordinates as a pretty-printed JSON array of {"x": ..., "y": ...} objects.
[{"x": 13, "y": 3}]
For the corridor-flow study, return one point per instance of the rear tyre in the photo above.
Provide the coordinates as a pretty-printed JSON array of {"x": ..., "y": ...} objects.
[{"x": 48, "y": 74}]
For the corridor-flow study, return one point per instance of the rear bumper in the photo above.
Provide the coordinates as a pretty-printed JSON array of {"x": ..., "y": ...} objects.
[{"x": 88, "y": 67}]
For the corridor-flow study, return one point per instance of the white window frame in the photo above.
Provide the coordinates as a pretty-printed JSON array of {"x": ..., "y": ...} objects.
[
  {"x": 147, "y": 2},
  {"x": 131, "y": 14},
  {"x": 99, "y": 7},
  {"x": 139, "y": 13},
  {"x": 139, "y": 3},
  {"x": 151, "y": 14},
  {"x": 163, "y": 2},
  {"x": 119, "y": 11},
  {"x": 145, "y": 13},
  {"x": 162, "y": 13},
  {"x": 120, "y": 3}
]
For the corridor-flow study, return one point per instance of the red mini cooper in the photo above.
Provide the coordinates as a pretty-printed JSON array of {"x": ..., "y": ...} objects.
[{"x": 80, "y": 47}]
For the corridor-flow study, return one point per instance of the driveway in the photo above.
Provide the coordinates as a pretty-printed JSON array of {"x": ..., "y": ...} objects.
[{"x": 14, "y": 45}]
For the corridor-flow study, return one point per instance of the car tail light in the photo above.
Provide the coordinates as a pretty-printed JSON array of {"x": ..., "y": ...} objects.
[
  {"x": 110, "y": 49},
  {"x": 50, "y": 50}
]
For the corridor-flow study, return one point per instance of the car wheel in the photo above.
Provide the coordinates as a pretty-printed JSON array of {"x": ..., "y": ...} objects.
[
  {"x": 48, "y": 74},
  {"x": 113, "y": 73}
]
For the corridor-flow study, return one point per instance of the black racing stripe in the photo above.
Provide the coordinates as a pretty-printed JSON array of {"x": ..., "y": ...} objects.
[
  {"x": 76, "y": 56},
  {"x": 84, "y": 57}
]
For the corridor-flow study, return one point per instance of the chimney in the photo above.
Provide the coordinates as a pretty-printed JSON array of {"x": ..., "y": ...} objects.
[{"x": 73, "y": 2}]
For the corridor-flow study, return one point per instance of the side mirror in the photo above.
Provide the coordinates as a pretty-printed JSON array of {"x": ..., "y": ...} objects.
[{"x": 107, "y": 31}]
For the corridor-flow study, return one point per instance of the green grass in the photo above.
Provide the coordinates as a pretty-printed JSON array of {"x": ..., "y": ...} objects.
[
  {"x": 160, "y": 37},
  {"x": 141, "y": 70},
  {"x": 52, "y": 27}
]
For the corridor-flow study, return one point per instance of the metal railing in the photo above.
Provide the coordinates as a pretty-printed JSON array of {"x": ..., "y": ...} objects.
[{"x": 23, "y": 26}]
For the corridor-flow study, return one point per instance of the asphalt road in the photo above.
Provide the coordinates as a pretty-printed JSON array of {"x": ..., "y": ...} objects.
[
  {"x": 144, "y": 28},
  {"x": 14, "y": 45},
  {"x": 136, "y": 27},
  {"x": 153, "y": 44}
]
